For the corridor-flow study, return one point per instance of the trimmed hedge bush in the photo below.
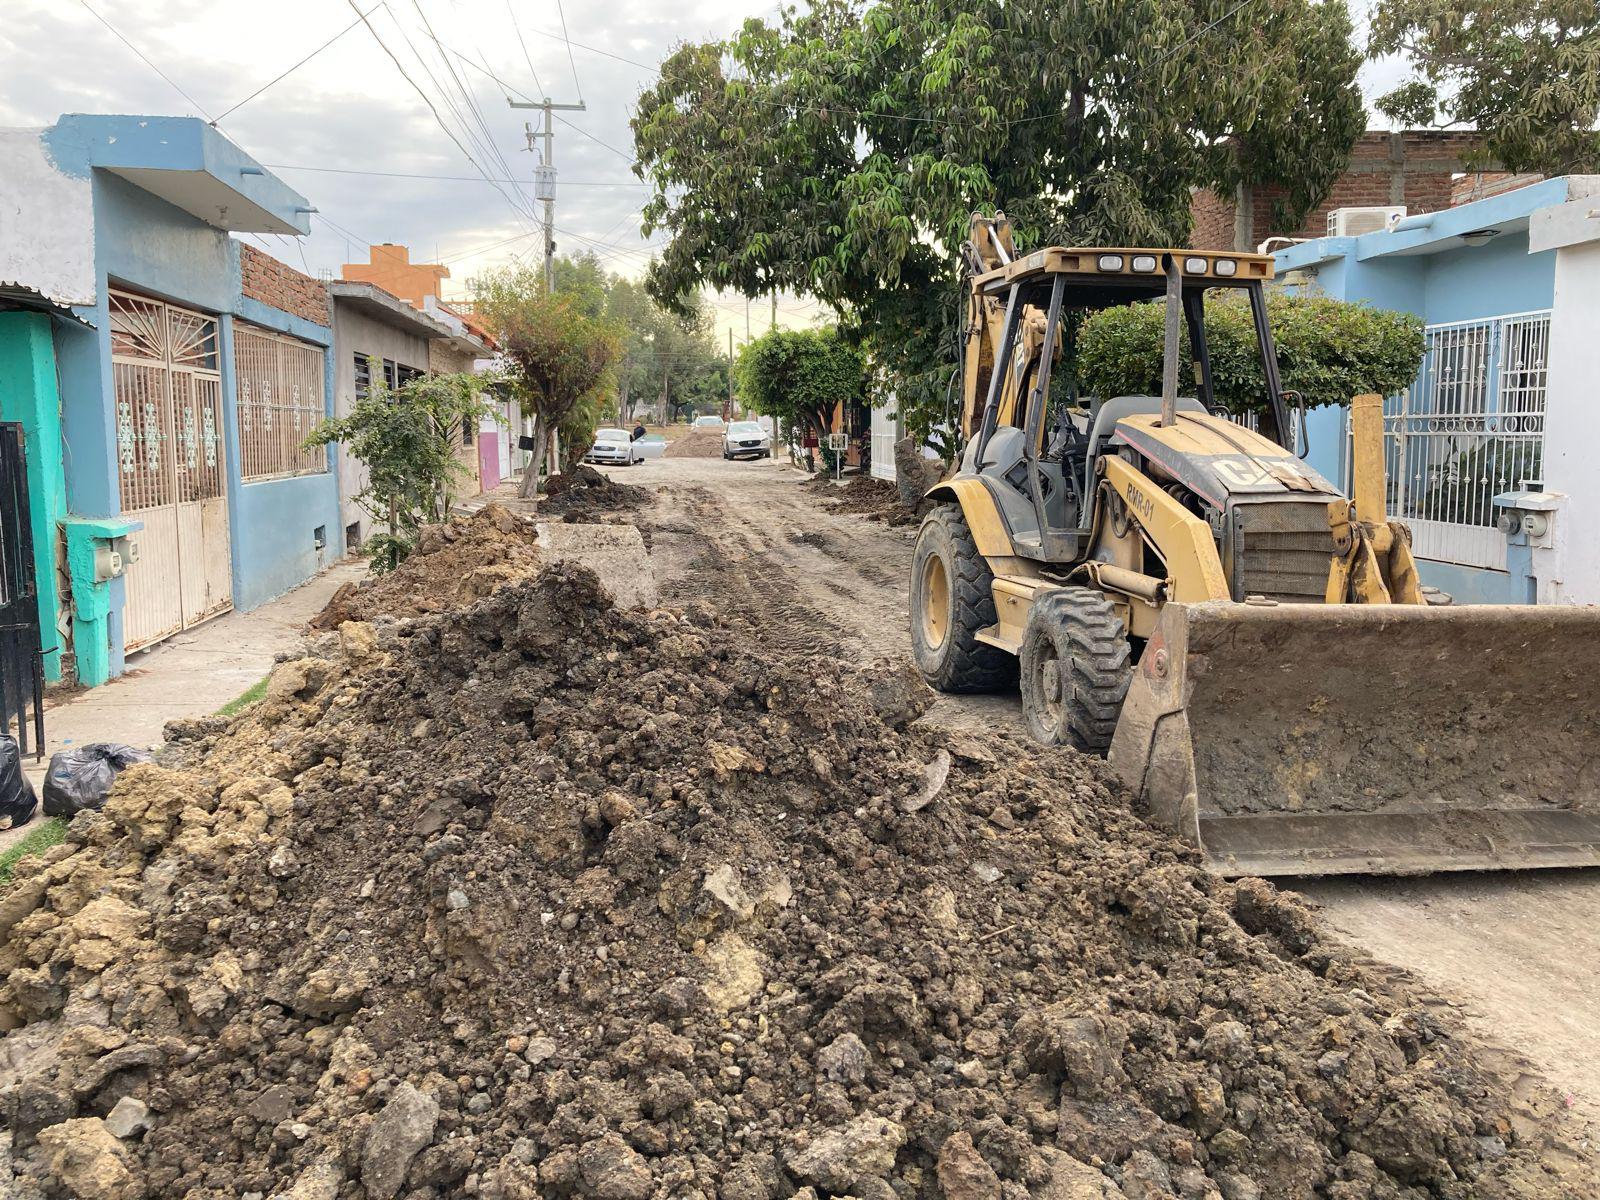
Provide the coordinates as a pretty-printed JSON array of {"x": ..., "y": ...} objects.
[{"x": 1328, "y": 350}]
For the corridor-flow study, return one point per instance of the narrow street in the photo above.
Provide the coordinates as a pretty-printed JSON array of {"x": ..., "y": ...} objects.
[{"x": 1516, "y": 951}]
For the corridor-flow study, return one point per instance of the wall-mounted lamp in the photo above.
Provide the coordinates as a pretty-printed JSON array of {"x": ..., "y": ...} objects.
[{"x": 1480, "y": 237}]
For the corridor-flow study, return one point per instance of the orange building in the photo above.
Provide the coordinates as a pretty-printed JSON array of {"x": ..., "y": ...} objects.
[{"x": 391, "y": 269}]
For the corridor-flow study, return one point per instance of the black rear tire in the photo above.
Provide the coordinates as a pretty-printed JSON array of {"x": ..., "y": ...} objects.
[
  {"x": 1075, "y": 666},
  {"x": 951, "y": 601}
]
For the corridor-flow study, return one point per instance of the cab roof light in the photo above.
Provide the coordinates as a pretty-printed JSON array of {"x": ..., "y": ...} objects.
[
  {"x": 1226, "y": 267},
  {"x": 1109, "y": 262},
  {"x": 1195, "y": 266},
  {"x": 1144, "y": 262}
]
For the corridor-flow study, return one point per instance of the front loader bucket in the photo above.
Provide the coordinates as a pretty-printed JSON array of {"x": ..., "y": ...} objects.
[{"x": 1306, "y": 739}]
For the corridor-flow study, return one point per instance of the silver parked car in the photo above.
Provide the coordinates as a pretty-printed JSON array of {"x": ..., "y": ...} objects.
[
  {"x": 746, "y": 439},
  {"x": 613, "y": 446}
]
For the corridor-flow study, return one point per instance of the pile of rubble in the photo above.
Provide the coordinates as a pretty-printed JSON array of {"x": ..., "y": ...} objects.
[
  {"x": 455, "y": 563},
  {"x": 583, "y": 494},
  {"x": 539, "y": 898}
]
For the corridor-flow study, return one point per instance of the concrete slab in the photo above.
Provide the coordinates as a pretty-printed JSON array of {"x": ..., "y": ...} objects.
[
  {"x": 191, "y": 674},
  {"x": 615, "y": 553}
]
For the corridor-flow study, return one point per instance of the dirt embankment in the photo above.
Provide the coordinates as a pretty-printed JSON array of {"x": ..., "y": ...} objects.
[
  {"x": 538, "y": 898},
  {"x": 453, "y": 564},
  {"x": 699, "y": 442}
]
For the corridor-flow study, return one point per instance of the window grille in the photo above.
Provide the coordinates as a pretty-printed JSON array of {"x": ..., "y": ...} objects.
[{"x": 280, "y": 399}]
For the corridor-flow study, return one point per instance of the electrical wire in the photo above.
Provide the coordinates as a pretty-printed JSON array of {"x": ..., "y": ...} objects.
[
  {"x": 528, "y": 58},
  {"x": 284, "y": 75},
  {"x": 404, "y": 74},
  {"x": 561, "y": 8},
  {"x": 147, "y": 62},
  {"x": 596, "y": 183}
]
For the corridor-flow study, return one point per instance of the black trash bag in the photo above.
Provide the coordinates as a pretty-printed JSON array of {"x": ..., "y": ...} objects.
[
  {"x": 81, "y": 778},
  {"x": 17, "y": 801}
]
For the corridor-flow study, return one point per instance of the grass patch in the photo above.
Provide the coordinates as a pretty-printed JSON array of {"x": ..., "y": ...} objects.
[
  {"x": 245, "y": 698},
  {"x": 48, "y": 833}
]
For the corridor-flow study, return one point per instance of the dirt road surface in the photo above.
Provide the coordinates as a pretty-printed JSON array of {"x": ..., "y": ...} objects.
[{"x": 1518, "y": 952}]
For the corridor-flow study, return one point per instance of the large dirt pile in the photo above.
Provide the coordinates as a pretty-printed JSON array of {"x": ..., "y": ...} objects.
[
  {"x": 453, "y": 564},
  {"x": 584, "y": 494},
  {"x": 543, "y": 899},
  {"x": 699, "y": 442}
]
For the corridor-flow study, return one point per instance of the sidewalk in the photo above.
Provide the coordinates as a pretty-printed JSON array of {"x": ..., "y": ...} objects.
[{"x": 191, "y": 674}]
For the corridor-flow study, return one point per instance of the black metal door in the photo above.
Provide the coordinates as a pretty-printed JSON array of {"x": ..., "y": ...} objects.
[{"x": 21, "y": 665}]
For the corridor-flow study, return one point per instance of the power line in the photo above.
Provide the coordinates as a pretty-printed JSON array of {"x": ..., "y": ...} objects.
[
  {"x": 597, "y": 183},
  {"x": 597, "y": 141},
  {"x": 404, "y": 74},
  {"x": 528, "y": 58},
  {"x": 147, "y": 62},
  {"x": 279, "y": 78},
  {"x": 561, "y": 8}
]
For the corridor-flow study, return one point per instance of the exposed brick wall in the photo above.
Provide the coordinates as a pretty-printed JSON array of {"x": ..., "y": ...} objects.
[
  {"x": 1213, "y": 221},
  {"x": 1416, "y": 169},
  {"x": 264, "y": 278}
]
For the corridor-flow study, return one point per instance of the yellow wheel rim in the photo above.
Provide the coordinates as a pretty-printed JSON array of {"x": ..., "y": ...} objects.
[{"x": 935, "y": 602}]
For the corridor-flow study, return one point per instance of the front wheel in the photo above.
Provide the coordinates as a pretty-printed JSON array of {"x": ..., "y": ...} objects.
[
  {"x": 1075, "y": 669},
  {"x": 951, "y": 601}
]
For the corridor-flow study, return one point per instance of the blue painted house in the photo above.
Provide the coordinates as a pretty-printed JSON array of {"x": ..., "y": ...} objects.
[
  {"x": 166, "y": 376},
  {"x": 1492, "y": 451}
]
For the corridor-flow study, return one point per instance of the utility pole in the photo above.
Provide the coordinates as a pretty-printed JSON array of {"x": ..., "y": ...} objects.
[
  {"x": 728, "y": 415},
  {"x": 773, "y": 324},
  {"x": 544, "y": 179}
]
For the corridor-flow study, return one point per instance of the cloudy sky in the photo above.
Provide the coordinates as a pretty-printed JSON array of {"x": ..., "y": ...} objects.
[{"x": 356, "y": 134}]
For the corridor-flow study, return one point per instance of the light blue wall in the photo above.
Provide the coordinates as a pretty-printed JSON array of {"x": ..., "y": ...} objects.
[
  {"x": 273, "y": 522},
  {"x": 147, "y": 245},
  {"x": 1440, "y": 280}
]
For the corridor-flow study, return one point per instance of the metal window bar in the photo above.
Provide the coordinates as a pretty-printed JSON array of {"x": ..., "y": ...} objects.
[
  {"x": 279, "y": 384},
  {"x": 167, "y": 392},
  {"x": 1471, "y": 427}
]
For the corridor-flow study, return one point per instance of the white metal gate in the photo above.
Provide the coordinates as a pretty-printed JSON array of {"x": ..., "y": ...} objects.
[
  {"x": 168, "y": 389},
  {"x": 885, "y": 433},
  {"x": 1470, "y": 428}
]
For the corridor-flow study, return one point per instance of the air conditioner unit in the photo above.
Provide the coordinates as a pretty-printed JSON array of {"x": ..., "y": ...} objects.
[{"x": 1353, "y": 222}]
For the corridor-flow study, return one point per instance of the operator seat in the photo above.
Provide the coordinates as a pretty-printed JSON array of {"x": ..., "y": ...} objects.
[{"x": 1103, "y": 418}]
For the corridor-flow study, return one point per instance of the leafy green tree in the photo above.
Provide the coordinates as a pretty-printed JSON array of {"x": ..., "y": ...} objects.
[
  {"x": 1524, "y": 73},
  {"x": 407, "y": 438},
  {"x": 562, "y": 357},
  {"x": 1328, "y": 351},
  {"x": 800, "y": 375},
  {"x": 840, "y": 152}
]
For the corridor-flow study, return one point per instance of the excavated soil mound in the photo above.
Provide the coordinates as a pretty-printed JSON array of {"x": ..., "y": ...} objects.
[
  {"x": 875, "y": 499},
  {"x": 453, "y": 564},
  {"x": 697, "y": 443},
  {"x": 543, "y": 899},
  {"x": 584, "y": 494}
]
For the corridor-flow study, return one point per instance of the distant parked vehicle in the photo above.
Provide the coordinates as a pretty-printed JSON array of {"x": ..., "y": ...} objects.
[
  {"x": 746, "y": 439},
  {"x": 711, "y": 421},
  {"x": 613, "y": 446}
]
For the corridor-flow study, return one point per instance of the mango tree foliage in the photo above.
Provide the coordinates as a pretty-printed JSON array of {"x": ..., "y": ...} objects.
[
  {"x": 840, "y": 152},
  {"x": 1524, "y": 73}
]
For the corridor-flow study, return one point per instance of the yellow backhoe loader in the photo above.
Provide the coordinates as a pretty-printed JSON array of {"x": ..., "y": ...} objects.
[{"x": 1250, "y": 646}]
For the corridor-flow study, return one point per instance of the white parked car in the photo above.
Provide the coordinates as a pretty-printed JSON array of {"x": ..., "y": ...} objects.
[
  {"x": 709, "y": 421},
  {"x": 613, "y": 446},
  {"x": 746, "y": 438}
]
